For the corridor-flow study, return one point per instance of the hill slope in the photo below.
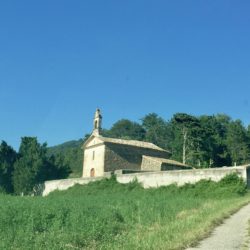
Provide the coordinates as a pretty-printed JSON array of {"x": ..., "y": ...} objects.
[{"x": 72, "y": 155}]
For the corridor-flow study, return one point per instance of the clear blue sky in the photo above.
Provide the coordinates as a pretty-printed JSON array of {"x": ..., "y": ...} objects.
[{"x": 59, "y": 60}]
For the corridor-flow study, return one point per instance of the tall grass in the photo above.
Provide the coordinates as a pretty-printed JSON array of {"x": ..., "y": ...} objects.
[{"x": 109, "y": 215}]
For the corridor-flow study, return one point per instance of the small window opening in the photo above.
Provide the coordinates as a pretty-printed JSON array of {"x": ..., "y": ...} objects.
[
  {"x": 95, "y": 124},
  {"x": 93, "y": 155}
]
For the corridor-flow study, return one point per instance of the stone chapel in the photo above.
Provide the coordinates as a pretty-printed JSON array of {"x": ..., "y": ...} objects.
[{"x": 103, "y": 154}]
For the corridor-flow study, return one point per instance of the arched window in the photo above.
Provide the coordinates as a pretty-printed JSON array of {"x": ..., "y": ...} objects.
[{"x": 95, "y": 124}]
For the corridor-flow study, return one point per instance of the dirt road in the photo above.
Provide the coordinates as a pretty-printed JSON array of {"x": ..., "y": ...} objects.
[{"x": 230, "y": 235}]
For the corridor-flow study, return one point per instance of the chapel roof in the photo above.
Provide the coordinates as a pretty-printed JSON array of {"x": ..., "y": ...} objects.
[{"x": 135, "y": 143}]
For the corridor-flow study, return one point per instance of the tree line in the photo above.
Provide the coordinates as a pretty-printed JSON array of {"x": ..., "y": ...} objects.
[
  {"x": 199, "y": 141},
  {"x": 24, "y": 171}
]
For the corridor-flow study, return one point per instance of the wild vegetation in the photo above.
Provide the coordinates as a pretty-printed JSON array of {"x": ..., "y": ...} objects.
[
  {"x": 22, "y": 172},
  {"x": 72, "y": 155},
  {"x": 109, "y": 215}
]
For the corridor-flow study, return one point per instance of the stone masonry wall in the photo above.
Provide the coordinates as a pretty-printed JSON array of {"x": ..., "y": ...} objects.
[
  {"x": 180, "y": 177},
  {"x": 150, "y": 164},
  {"x": 127, "y": 157}
]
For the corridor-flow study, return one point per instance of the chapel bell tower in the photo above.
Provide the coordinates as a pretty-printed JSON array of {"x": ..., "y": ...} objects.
[{"x": 97, "y": 123}]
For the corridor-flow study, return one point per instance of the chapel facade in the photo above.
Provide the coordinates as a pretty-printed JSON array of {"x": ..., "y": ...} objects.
[{"x": 103, "y": 154}]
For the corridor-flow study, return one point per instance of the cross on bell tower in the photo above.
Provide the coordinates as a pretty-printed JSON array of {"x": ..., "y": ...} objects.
[{"x": 97, "y": 123}]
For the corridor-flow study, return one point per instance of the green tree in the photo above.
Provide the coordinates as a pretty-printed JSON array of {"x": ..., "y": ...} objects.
[
  {"x": 69, "y": 154},
  {"x": 186, "y": 138},
  {"x": 7, "y": 158},
  {"x": 222, "y": 155},
  {"x": 57, "y": 168},
  {"x": 237, "y": 142},
  {"x": 34, "y": 167},
  {"x": 126, "y": 129},
  {"x": 158, "y": 131},
  {"x": 30, "y": 167},
  {"x": 248, "y": 137},
  {"x": 214, "y": 148}
]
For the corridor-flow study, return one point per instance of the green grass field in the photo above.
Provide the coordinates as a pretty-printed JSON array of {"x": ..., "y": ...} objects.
[{"x": 108, "y": 215}]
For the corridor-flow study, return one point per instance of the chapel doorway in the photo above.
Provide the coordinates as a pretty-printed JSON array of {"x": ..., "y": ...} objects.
[{"x": 92, "y": 172}]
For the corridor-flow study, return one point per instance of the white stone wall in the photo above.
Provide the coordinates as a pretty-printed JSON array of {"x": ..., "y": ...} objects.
[
  {"x": 94, "y": 158},
  {"x": 180, "y": 177},
  {"x": 155, "y": 179},
  {"x": 50, "y": 186}
]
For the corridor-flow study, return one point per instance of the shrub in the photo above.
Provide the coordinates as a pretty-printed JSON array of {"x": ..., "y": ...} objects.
[{"x": 234, "y": 183}]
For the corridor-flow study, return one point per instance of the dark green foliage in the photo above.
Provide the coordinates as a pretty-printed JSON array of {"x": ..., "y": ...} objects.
[
  {"x": 23, "y": 172},
  {"x": 57, "y": 168},
  {"x": 234, "y": 184},
  {"x": 34, "y": 167},
  {"x": 237, "y": 142},
  {"x": 158, "y": 131},
  {"x": 29, "y": 169},
  {"x": 186, "y": 142},
  {"x": 72, "y": 155},
  {"x": 214, "y": 150},
  {"x": 7, "y": 158},
  {"x": 126, "y": 129},
  {"x": 230, "y": 185}
]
